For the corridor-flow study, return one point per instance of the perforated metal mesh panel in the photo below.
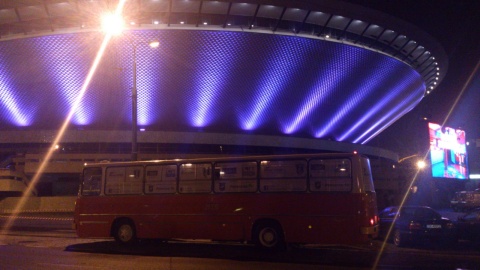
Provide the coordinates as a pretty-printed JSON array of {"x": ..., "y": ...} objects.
[{"x": 212, "y": 81}]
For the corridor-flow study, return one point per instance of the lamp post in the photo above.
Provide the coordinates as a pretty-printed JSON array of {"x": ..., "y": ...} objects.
[
  {"x": 134, "y": 105},
  {"x": 152, "y": 44},
  {"x": 113, "y": 24}
]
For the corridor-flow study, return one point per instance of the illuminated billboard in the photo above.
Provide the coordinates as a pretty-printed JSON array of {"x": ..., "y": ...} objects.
[{"x": 448, "y": 152}]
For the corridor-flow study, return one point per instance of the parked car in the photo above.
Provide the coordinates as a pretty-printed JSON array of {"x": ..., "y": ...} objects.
[
  {"x": 465, "y": 200},
  {"x": 468, "y": 226},
  {"x": 416, "y": 224}
]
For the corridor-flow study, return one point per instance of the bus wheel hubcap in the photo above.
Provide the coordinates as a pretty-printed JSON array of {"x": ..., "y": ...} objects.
[
  {"x": 268, "y": 237},
  {"x": 125, "y": 233}
]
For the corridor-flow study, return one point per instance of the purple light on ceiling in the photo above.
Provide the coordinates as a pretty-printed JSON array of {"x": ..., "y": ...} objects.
[
  {"x": 13, "y": 103},
  {"x": 7, "y": 99},
  {"x": 214, "y": 60},
  {"x": 111, "y": 88},
  {"x": 60, "y": 58},
  {"x": 148, "y": 60},
  {"x": 387, "y": 101},
  {"x": 386, "y": 123},
  {"x": 366, "y": 88},
  {"x": 146, "y": 91},
  {"x": 340, "y": 66},
  {"x": 392, "y": 114},
  {"x": 316, "y": 96},
  {"x": 280, "y": 68},
  {"x": 220, "y": 81}
]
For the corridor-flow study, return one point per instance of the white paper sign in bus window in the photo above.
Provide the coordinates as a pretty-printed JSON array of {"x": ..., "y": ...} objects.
[
  {"x": 195, "y": 178},
  {"x": 236, "y": 177},
  {"x": 161, "y": 179},
  {"x": 330, "y": 175},
  {"x": 124, "y": 180},
  {"x": 283, "y": 175}
]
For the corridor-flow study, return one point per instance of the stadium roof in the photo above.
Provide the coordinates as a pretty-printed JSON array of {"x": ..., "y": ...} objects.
[{"x": 309, "y": 69}]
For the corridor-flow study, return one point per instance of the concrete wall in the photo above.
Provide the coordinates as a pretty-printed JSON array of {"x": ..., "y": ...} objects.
[{"x": 39, "y": 204}]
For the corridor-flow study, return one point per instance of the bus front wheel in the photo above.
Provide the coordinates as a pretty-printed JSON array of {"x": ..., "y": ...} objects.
[
  {"x": 124, "y": 232},
  {"x": 269, "y": 236}
]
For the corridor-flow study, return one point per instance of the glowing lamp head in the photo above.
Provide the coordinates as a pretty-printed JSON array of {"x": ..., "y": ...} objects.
[
  {"x": 421, "y": 164},
  {"x": 154, "y": 43},
  {"x": 112, "y": 24}
]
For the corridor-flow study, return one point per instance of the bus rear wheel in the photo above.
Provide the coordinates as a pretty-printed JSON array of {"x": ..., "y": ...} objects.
[
  {"x": 124, "y": 232},
  {"x": 269, "y": 236}
]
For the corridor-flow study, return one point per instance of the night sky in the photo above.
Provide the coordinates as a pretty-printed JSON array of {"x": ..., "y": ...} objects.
[{"x": 456, "y": 25}]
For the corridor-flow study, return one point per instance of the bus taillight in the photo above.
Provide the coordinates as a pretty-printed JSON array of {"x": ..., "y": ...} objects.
[{"x": 374, "y": 220}]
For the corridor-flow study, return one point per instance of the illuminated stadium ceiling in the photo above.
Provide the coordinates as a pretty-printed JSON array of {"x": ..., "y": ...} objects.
[{"x": 311, "y": 69}]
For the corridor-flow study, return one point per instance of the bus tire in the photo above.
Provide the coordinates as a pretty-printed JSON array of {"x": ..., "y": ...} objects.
[
  {"x": 124, "y": 232},
  {"x": 269, "y": 235}
]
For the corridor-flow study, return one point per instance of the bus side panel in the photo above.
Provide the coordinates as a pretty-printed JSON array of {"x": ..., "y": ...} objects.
[
  {"x": 304, "y": 217},
  {"x": 88, "y": 221},
  {"x": 193, "y": 216},
  {"x": 314, "y": 217}
]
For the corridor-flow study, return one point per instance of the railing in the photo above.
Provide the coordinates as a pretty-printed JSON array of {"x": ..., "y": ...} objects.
[{"x": 19, "y": 181}]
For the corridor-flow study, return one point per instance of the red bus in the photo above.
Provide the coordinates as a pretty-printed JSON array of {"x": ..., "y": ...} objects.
[{"x": 267, "y": 200}]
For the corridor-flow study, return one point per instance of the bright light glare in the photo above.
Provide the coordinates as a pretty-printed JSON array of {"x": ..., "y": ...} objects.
[
  {"x": 421, "y": 164},
  {"x": 59, "y": 135},
  {"x": 154, "y": 44},
  {"x": 112, "y": 24},
  {"x": 62, "y": 129}
]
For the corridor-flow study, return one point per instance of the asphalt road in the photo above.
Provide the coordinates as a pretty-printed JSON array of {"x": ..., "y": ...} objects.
[{"x": 46, "y": 241}]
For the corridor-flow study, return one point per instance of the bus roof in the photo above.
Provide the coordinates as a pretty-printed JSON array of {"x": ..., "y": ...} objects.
[{"x": 225, "y": 158}]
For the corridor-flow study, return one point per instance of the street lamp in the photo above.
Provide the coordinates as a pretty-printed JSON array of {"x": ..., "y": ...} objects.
[
  {"x": 421, "y": 164},
  {"x": 113, "y": 24}
]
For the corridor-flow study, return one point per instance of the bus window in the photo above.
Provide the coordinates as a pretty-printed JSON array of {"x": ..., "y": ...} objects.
[
  {"x": 330, "y": 175},
  {"x": 161, "y": 179},
  {"x": 283, "y": 175},
  {"x": 123, "y": 180},
  {"x": 92, "y": 179},
  {"x": 367, "y": 175},
  {"x": 195, "y": 178},
  {"x": 236, "y": 177}
]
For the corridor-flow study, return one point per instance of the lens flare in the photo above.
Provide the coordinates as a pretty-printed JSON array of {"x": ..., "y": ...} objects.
[
  {"x": 64, "y": 126},
  {"x": 112, "y": 23},
  {"x": 414, "y": 179}
]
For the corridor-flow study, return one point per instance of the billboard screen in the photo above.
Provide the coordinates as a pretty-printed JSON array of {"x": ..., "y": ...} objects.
[{"x": 448, "y": 152}]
